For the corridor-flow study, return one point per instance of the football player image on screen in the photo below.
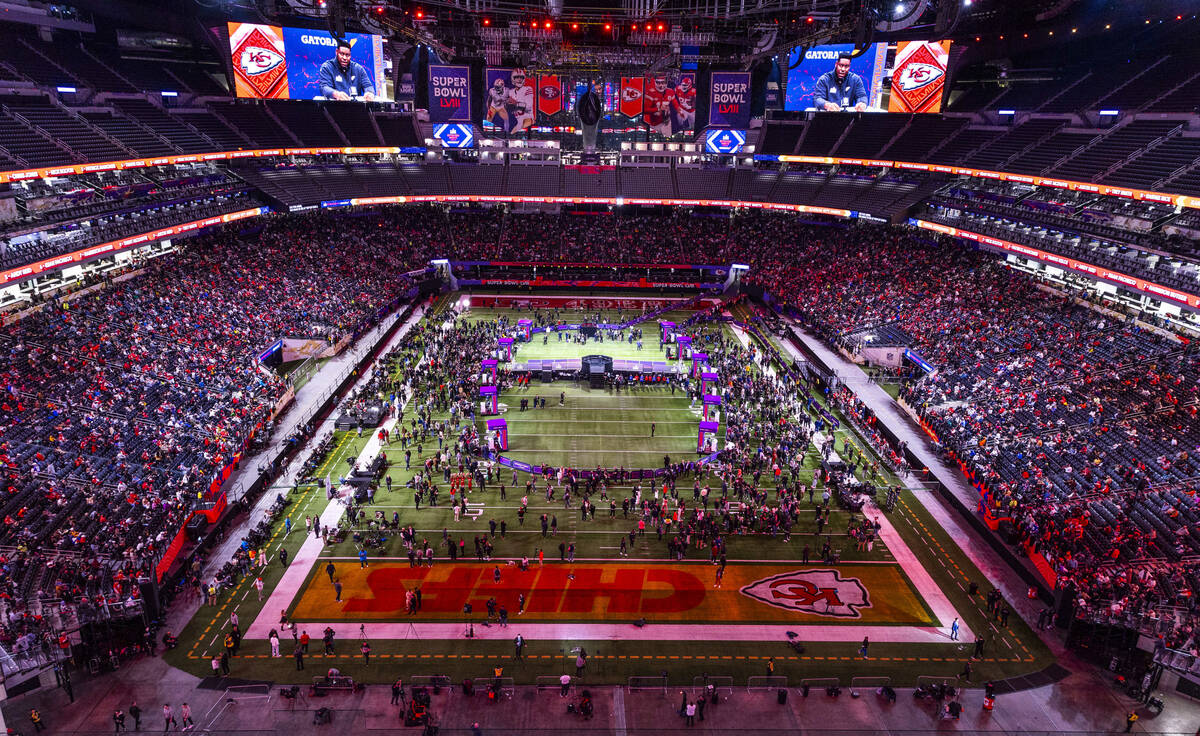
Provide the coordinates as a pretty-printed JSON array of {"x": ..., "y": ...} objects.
[
  {"x": 840, "y": 89},
  {"x": 521, "y": 101},
  {"x": 683, "y": 107},
  {"x": 497, "y": 107},
  {"x": 658, "y": 100},
  {"x": 345, "y": 79}
]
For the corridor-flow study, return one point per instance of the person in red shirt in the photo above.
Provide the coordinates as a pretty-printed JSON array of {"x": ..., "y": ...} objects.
[
  {"x": 656, "y": 106},
  {"x": 683, "y": 104}
]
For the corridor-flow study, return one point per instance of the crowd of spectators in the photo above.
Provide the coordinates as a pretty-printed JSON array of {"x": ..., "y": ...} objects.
[
  {"x": 1078, "y": 425},
  {"x": 122, "y": 405}
]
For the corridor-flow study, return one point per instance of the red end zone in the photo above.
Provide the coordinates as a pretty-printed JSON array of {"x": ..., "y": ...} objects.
[{"x": 750, "y": 593}]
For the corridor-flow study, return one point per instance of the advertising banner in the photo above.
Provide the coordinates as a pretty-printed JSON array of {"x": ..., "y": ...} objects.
[
  {"x": 729, "y": 100},
  {"x": 511, "y": 100},
  {"x": 449, "y": 94},
  {"x": 919, "y": 76}
]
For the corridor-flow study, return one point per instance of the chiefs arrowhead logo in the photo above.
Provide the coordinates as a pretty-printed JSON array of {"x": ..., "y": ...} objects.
[
  {"x": 918, "y": 75},
  {"x": 260, "y": 63},
  {"x": 819, "y": 592},
  {"x": 630, "y": 94},
  {"x": 258, "y": 60}
]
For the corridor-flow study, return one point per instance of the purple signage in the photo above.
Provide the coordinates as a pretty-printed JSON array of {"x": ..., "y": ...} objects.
[
  {"x": 449, "y": 94},
  {"x": 729, "y": 100}
]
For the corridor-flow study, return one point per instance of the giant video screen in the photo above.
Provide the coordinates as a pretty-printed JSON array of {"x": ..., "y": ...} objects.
[
  {"x": 907, "y": 77},
  {"x": 281, "y": 63}
]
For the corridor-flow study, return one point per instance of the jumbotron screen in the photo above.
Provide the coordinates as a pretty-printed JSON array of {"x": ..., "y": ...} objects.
[
  {"x": 281, "y": 63},
  {"x": 908, "y": 77}
]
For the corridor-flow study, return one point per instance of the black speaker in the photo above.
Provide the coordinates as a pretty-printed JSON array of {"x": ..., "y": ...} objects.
[
  {"x": 195, "y": 527},
  {"x": 149, "y": 590},
  {"x": 781, "y": 696},
  {"x": 1008, "y": 531}
]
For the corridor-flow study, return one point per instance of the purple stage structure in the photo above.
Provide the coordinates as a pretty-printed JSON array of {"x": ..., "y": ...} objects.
[
  {"x": 491, "y": 399},
  {"x": 488, "y": 370},
  {"x": 702, "y": 435},
  {"x": 667, "y": 328},
  {"x": 525, "y": 325},
  {"x": 708, "y": 381},
  {"x": 500, "y": 427},
  {"x": 699, "y": 361},
  {"x": 685, "y": 346},
  {"x": 505, "y": 344},
  {"x": 710, "y": 400}
]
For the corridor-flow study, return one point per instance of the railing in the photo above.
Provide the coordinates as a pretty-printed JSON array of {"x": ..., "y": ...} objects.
[
  {"x": 766, "y": 682},
  {"x": 639, "y": 683},
  {"x": 718, "y": 682},
  {"x": 29, "y": 660}
]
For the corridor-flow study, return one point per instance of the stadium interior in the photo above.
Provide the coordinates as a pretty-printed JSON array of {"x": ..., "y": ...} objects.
[{"x": 274, "y": 274}]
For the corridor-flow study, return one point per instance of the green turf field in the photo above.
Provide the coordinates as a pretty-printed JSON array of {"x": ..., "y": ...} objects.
[{"x": 604, "y": 427}]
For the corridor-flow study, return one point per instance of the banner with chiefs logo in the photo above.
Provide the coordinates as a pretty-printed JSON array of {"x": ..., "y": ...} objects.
[
  {"x": 669, "y": 108},
  {"x": 550, "y": 95},
  {"x": 631, "y": 97},
  {"x": 919, "y": 76}
]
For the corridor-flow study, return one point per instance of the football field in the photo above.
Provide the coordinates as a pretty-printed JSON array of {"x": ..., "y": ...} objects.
[{"x": 562, "y": 579}]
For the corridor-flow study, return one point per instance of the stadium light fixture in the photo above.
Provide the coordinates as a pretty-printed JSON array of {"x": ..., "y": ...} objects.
[
  {"x": 65, "y": 90},
  {"x": 899, "y": 9},
  {"x": 169, "y": 93},
  {"x": 966, "y": 3},
  {"x": 1007, "y": 112},
  {"x": 1110, "y": 112}
]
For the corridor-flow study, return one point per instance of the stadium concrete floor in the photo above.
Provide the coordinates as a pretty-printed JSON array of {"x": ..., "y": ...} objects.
[{"x": 1083, "y": 702}]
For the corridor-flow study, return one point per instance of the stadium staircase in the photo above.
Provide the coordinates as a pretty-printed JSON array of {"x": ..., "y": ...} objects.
[
  {"x": 1138, "y": 152},
  {"x": 35, "y": 155}
]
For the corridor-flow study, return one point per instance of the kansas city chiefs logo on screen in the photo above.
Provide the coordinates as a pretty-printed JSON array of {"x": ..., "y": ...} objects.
[
  {"x": 917, "y": 75},
  {"x": 629, "y": 94},
  {"x": 260, "y": 63},
  {"x": 819, "y": 592},
  {"x": 256, "y": 60}
]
